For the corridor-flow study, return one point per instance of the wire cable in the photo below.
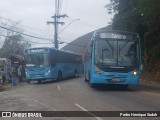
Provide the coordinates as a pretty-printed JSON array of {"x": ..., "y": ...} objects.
[
  {"x": 26, "y": 34},
  {"x": 72, "y": 43},
  {"x": 65, "y": 10},
  {"x": 26, "y": 40}
]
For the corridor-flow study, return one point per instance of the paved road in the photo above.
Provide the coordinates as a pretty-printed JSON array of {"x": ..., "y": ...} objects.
[{"x": 76, "y": 95}]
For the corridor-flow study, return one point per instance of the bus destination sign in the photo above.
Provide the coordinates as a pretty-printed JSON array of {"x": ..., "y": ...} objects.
[
  {"x": 38, "y": 50},
  {"x": 115, "y": 36}
]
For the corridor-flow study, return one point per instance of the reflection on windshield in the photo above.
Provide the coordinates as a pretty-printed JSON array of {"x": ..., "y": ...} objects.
[
  {"x": 116, "y": 53},
  {"x": 37, "y": 60}
]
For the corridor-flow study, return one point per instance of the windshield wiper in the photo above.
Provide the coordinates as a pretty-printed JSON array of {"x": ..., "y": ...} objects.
[
  {"x": 100, "y": 64},
  {"x": 116, "y": 67}
]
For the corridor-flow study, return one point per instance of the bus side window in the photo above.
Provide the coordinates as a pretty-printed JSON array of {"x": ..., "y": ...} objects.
[
  {"x": 53, "y": 57},
  {"x": 90, "y": 48},
  {"x": 89, "y": 52},
  {"x": 86, "y": 55}
]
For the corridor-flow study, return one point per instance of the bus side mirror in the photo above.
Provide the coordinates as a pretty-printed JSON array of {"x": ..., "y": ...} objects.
[{"x": 141, "y": 67}]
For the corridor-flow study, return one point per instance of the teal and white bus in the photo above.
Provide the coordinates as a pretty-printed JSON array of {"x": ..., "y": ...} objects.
[
  {"x": 113, "y": 57},
  {"x": 49, "y": 63}
]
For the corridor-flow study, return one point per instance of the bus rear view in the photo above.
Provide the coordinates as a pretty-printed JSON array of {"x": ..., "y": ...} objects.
[{"x": 113, "y": 57}]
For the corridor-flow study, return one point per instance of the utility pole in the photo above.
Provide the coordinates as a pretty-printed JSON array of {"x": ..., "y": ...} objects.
[{"x": 56, "y": 23}]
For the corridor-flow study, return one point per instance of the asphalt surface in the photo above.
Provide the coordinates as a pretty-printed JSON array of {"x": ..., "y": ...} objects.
[{"x": 76, "y": 95}]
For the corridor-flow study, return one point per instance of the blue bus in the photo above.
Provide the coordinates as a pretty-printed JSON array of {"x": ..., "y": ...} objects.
[
  {"x": 49, "y": 63},
  {"x": 113, "y": 57}
]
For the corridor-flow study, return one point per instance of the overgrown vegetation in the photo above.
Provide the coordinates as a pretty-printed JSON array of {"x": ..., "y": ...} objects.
[
  {"x": 143, "y": 17},
  {"x": 11, "y": 42}
]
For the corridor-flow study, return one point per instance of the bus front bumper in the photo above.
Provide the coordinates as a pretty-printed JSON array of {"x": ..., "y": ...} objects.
[
  {"x": 115, "y": 78},
  {"x": 34, "y": 77}
]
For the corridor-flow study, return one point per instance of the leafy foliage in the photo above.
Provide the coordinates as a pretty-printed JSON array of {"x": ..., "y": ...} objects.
[
  {"x": 143, "y": 17},
  {"x": 13, "y": 43}
]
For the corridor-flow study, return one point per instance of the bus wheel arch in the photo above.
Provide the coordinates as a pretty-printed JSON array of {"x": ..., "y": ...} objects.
[
  {"x": 85, "y": 77},
  {"x": 28, "y": 81},
  {"x": 60, "y": 75},
  {"x": 125, "y": 86},
  {"x": 92, "y": 85},
  {"x": 75, "y": 73},
  {"x": 39, "y": 81}
]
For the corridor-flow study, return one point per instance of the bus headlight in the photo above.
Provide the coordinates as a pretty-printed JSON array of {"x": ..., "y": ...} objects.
[
  {"x": 134, "y": 73},
  {"x": 48, "y": 72},
  {"x": 97, "y": 70},
  {"x": 27, "y": 75}
]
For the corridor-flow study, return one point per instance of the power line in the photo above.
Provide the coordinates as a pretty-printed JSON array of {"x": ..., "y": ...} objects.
[
  {"x": 65, "y": 10},
  {"x": 86, "y": 24},
  {"x": 26, "y": 40},
  {"x": 50, "y": 43},
  {"x": 33, "y": 30},
  {"x": 26, "y": 34},
  {"x": 38, "y": 38},
  {"x": 67, "y": 25},
  {"x": 61, "y": 6},
  {"x": 73, "y": 44}
]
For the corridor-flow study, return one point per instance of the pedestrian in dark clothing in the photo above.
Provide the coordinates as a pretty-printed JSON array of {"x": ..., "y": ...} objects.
[
  {"x": 3, "y": 76},
  {"x": 20, "y": 73},
  {"x": 14, "y": 76}
]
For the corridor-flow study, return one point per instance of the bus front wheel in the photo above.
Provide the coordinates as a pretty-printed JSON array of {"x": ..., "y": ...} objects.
[
  {"x": 60, "y": 76},
  {"x": 75, "y": 74},
  {"x": 124, "y": 86},
  {"x": 39, "y": 81},
  {"x": 28, "y": 81},
  {"x": 92, "y": 85},
  {"x": 85, "y": 79}
]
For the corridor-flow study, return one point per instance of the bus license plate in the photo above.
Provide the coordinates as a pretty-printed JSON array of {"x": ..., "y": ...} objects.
[{"x": 115, "y": 80}]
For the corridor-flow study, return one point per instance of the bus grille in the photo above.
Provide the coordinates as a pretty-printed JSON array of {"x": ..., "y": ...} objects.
[
  {"x": 36, "y": 76},
  {"x": 36, "y": 69},
  {"x": 122, "y": 77}
]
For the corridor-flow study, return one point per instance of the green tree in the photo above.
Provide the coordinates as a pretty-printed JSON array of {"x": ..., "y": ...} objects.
[
  {"x": 13, "y": 45},
  {"x": 151, "y": 16},
  {"x": 143, "y": 17}
]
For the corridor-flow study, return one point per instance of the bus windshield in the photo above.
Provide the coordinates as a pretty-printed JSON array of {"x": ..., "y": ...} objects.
[
  {"x": 116, "y": 53},
  {"x": 37, "y": 60}
]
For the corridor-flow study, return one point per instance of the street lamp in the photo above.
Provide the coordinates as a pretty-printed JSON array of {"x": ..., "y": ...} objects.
[{"x": 68, "y": 25}]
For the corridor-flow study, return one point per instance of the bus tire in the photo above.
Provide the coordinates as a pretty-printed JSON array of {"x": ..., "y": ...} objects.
[
  {"x": 85, "y": 79},
  {"x": 125, "y": 87},
  {"x": 92, "y": 85},
  {"x": 75, "y": 74},
  {"x": 39, "y": 81},
  {"x": 28, "y": 81},
  {"x": 60, "y": 76}
]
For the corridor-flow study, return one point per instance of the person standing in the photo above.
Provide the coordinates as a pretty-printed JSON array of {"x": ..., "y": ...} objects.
[
  {"x": 3, "y": 76},
  {"x": 20, "y": 73},
  {"x": 14, "y": 76}
]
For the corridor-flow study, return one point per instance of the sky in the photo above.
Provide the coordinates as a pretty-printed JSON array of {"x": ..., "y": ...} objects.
[{"x": 34, "y": 14}]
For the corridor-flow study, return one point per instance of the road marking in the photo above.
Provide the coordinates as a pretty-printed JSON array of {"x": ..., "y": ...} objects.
[
  {"x": 84, "y": 109},
  {"x": 59, "y": 87}
]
